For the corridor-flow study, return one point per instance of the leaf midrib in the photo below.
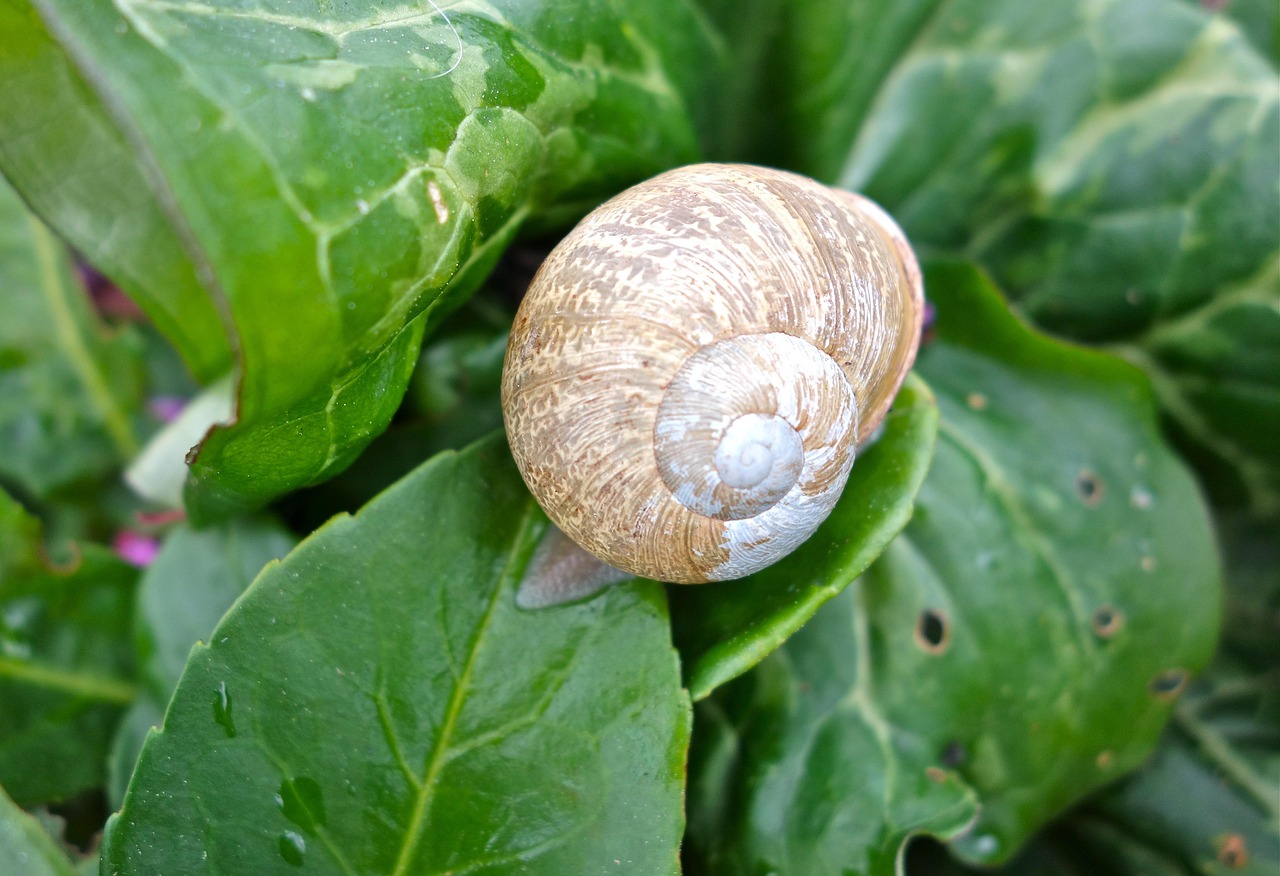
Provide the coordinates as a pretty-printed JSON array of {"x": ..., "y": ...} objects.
[{"x": 436, "y": 760}]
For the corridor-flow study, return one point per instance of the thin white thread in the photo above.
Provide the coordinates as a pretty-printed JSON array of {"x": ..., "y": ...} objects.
[{"x": 457, "y": 55}]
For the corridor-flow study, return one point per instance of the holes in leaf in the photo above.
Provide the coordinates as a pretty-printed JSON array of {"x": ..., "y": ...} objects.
[
  {"x": 1107, "y": 621},
  {"x": 953, "y": 755},
  {"x": 1168, "y": 684},
  {"x": 933, "y": 631},
  {"x": 1089, "y": 487}
]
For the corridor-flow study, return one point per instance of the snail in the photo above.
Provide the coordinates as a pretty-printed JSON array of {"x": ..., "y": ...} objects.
[{"x": 692, "y": 368}]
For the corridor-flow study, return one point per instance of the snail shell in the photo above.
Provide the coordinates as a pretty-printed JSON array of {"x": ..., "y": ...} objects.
[{"x": 693, "y": 367}]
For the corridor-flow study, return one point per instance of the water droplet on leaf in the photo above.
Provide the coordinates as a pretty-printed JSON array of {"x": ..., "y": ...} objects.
[
  {"x": 292, "y": 847},
  {"x": 222, "y": 709}
]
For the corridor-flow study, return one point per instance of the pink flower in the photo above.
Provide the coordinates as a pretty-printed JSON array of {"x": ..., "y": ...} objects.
[{"x": 135, "y": 548}]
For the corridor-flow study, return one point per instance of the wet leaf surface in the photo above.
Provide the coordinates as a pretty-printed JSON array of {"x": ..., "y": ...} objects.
[{"x": 377, "y": 703}]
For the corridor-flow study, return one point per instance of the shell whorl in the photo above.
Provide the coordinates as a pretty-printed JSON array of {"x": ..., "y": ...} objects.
[{"x": 693, "y": 366}]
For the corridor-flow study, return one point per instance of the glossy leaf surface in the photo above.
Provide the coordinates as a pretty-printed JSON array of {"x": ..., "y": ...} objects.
[
  {"x": 1018, "y": 645},
  {"x": 724, "y": 629},
  {"x": 377, "y": 703},
  {"x": 328, "y": 174}
]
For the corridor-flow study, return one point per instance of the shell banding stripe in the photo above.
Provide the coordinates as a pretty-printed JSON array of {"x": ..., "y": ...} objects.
[{"x": 640, "y": 300}]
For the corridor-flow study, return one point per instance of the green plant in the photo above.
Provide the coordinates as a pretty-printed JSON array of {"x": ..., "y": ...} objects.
[{"x": 323, "y": 214}]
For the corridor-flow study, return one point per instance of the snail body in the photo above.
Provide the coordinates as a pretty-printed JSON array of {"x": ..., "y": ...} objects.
[{"x": 693, "y": 367}]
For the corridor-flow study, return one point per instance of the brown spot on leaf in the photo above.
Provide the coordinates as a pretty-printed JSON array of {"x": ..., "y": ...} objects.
[
  {"x": 935, "y": 775},
  {"x": 1104, "y": 759},
  {"x": 977, "y": 401},
  {"x": 1169, "y": 684}
]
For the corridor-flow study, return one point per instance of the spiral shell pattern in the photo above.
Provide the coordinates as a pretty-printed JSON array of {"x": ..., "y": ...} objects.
[{"x": 693, "y": 367}]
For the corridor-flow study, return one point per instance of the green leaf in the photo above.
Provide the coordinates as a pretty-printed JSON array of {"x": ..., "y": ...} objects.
[
  {"x": 1259, "y": 19},
  {"x": 330, "y": 176},
  {"x": 726, "y": 628},
  {"x": 66, "y": 665},
  {"x": 24, "y": 846},
  {"x": 68, "y": 390},
  {"x": 183, "y": 594},
  {"x": 1204, "y": 804},
  {"x": 1111, "y": 162},
  {"x": 1208, "y": 798},
  {"x": 796, "y": 768},
  {"x": 453, "y": 400},
  {"x": 1020, "y": 643},
  {"x": 385, "y": 707}
]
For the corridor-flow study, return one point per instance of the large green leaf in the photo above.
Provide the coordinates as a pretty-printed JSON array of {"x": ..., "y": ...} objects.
[
  {"x": 182, "y": 595},
  {"x": 65, "y": 661},
  {"x": 1020, "y": 643},
  {"x": 377, "y": 703},
  {"x": 1207, "y": 800},
  {"x": 25, "y": 849},
  {"x": 68, "y": 391},
  {"x": 336, "y": 176},
  {"x": 1112, "y": 162},
  {"x": 1205, "y": 803},
  {"x": 726, "y": 628}
]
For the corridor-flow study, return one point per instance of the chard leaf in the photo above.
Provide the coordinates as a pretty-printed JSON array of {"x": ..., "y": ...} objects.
[
  {"x": 377, "y": 703},
  {"x": 1113, "y": 163},
  {"x": 336, "y": 176},
  {"x": 1020, "y": 645}
]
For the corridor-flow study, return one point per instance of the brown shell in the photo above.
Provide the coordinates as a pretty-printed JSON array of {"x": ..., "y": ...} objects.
[{"x": 692, "y": 368}]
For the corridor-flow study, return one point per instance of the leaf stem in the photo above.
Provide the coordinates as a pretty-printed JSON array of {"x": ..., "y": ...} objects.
[
  {"x": 90, "y": 687},
  {"x": 56, "y": 295},
  {"x": 1220, "y": 752}
]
